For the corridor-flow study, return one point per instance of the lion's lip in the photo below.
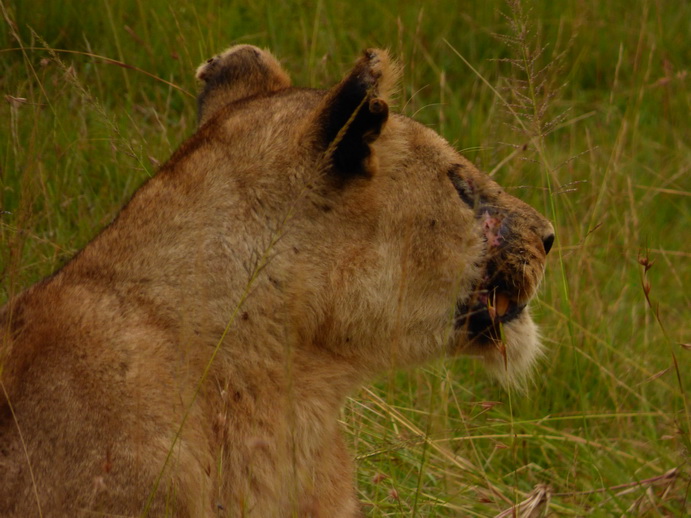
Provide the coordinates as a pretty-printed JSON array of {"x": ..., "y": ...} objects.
[{"x": 486, "y": 313}]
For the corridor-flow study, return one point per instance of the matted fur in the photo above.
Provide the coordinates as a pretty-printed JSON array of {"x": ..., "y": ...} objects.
[{"x": 193, "y": 358}]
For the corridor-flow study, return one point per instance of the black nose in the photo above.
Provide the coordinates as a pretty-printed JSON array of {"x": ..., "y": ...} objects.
[{"x": 547, "y": 242}]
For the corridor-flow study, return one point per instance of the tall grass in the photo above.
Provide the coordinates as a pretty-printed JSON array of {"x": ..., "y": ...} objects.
[{"x": 580, "y": 108}]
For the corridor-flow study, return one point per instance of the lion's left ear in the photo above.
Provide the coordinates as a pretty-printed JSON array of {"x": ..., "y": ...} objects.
[
  {"x": 240, "y": 72},
  {"x": 353, "y": 113}
]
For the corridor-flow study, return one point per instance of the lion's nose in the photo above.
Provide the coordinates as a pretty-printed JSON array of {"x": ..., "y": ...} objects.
[
  {"x": 548, "y": 241},
  {"x": 547, "y": 236}
]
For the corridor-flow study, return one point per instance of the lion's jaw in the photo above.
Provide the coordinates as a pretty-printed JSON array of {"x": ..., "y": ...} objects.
[
  {"x": 511, "y": 355},
  {"x": 493, "y": 321}
]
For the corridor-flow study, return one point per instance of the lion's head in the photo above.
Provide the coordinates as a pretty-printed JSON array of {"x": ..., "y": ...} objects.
[{"x": 398, "y": 249}]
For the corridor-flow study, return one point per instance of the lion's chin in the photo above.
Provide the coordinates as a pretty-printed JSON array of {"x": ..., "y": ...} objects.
[{"x": 510, "y": 357}]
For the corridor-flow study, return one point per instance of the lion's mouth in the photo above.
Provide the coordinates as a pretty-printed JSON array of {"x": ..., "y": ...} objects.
[{"x": 483, "y": 316}]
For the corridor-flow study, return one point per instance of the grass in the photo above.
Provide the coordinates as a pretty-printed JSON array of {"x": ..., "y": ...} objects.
[{"x": 580, "y": 108}]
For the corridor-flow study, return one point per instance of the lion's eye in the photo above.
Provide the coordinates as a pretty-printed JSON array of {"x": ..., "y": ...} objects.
[{"x": 463, "y": 188}]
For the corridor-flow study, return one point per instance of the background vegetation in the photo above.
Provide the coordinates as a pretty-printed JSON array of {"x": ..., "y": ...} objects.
[{"x": 580, "y": 107}]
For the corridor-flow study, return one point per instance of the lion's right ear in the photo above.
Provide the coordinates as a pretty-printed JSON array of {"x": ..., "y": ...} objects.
[
  {"x": 239, "y": 72},
  {"x": 353, "y": 113}
]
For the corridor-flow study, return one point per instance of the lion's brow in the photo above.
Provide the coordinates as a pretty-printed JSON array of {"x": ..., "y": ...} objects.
[{"x": 463, "y": 188}]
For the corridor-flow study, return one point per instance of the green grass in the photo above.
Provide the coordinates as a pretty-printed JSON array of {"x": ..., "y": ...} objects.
[{"x": 97, "y": 94}]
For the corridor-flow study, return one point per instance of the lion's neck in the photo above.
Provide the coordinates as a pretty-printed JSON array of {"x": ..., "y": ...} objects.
[
  {"x": 275, "y": 416},
  {"x": 270, "y": 394}
]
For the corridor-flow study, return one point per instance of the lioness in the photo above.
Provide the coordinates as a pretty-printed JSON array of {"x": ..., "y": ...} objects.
[{"x": 193, "y": 358}]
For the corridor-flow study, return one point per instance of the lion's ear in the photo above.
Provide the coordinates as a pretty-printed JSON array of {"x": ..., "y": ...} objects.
[
  {"x": 353, "y": 113},
  {"x": 239, "y": 72}
]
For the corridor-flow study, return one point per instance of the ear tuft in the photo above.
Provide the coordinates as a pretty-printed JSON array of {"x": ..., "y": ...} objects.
[
  {"x": 386, "y": 71},
  {"x": 237, "y": 73}
]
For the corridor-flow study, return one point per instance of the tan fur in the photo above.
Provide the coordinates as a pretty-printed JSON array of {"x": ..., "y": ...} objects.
[{"x": 193, "y": 358}]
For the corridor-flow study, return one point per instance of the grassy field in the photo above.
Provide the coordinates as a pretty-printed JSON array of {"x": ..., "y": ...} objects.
[{"x": 580, "y": 107}]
